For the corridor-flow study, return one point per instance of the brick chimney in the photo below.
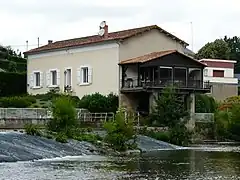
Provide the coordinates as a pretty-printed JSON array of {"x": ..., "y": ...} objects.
[
  {"x": 105, "y": 31},
  {"x": 50, "y": 41}
]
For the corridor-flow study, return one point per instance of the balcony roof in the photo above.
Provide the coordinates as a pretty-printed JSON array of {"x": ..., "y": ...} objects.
[{"x": 156, "y": 55}]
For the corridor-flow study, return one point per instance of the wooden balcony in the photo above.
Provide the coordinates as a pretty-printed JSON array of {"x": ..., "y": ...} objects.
[{"x": 131, "y": 85}]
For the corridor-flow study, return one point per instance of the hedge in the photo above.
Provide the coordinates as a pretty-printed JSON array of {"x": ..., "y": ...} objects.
[
  {"x": 13, "y": 84},
  {"x": 21, "y": 67}
]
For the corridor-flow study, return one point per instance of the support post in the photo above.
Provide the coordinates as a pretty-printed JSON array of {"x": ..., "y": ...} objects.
[
  {"x": 191, "y": 122},
  {"x": 138, "y": 83}
]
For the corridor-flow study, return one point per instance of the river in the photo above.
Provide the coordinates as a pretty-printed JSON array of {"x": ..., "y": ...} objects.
[
  {"x": 25, "y": 157},
  {"x": 164, "y": 165}
]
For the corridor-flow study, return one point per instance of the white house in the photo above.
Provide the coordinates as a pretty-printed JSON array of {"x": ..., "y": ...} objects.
[
  {"x": 93, "y": 64},
  {"x": 220, "y": 73}
]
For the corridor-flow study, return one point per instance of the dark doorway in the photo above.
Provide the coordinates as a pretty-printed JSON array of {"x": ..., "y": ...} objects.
[{"x": 143, "y": 103}]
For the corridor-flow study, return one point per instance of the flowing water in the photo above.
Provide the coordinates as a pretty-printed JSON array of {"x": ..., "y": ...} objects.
[{"x": 82, "y": 161}]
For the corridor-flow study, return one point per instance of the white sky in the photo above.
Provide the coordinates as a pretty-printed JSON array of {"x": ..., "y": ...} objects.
[{"x": 23, "y": 20}]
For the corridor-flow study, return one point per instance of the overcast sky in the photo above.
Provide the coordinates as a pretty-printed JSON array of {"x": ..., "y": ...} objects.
[{"x": 23, "y": 20}]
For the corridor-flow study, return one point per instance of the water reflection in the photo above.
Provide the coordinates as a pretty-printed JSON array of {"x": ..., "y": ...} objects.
[{"x": 165, "y": 165}]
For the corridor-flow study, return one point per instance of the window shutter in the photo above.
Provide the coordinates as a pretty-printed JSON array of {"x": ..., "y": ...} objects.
[
  {"x": 90, "y": 74},
  {"x": 48, "y": 78},
  {"x": 58, "y": 77},
  {"x": 41, "y": 79},
  {"x": 79, "y": 76},
  {"x": 31, "y": 80}
]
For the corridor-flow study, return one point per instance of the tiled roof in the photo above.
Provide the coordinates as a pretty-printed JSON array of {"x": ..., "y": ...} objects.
[
  {"x": 152, "y": 56},
  {"x": 119, "y": 35}
]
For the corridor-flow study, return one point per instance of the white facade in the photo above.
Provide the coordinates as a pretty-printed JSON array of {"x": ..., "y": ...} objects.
[
  {"x": 228, "y": 77},
  {"x": 92, "y": 68},
  {"x": 87, "y": 70}
]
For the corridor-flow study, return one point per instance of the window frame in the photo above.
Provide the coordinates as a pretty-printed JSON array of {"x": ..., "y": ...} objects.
[
  {"x": 34, "y": 79},
  {"x": 66, "y": 78},
  {"x": 51, "y": 78},
  {"x": 81, "y": 77}
]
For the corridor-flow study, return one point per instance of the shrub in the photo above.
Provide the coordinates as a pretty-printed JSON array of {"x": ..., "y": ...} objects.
[
  {"x": 17, "y": 102},
  {"x": 61, "y": 137},
  {"x": 64, "y": 115},
  {"x": 99, "y": 103},
  {"x": 205, "y": 104},
  {"x": 32, "y": 130},
  {"x": 161, "y": 136},
  {"x": 119, "y": 132},
  {"x": 180, "y": 135},
  {"x": 234, "y": 125},
  {"x": 169, "y": 109},
  {"x": 12, "y": 84}
]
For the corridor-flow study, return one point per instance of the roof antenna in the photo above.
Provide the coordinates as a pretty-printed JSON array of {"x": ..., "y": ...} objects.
[{"x": 27, "y": 45}]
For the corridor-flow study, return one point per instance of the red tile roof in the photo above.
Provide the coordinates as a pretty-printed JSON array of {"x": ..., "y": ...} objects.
[
  {"x": 152, "y": 56},
  {"x": 119, "y": 35}
]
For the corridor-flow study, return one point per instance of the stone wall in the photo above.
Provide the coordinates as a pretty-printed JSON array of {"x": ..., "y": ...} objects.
[{"x": 16, "y": 118}]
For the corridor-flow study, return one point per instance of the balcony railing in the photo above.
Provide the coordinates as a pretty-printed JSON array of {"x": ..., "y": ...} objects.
[{"x": 164, "y": 82}]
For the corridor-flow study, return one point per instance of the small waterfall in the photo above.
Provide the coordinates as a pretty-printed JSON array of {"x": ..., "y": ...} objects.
[
  {"x": 21, "y": 147},
  {"x": 149, "y": 144}
]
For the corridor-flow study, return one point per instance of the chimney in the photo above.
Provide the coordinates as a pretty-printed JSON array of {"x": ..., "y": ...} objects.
[
  {"x": 50, "y": 41},
  {"x": 105, "y": 31}
]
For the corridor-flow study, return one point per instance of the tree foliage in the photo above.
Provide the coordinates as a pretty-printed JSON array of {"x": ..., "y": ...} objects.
[
  {"x": 205, "y": 104},
  {"x": 99, "y": 103},
  {"x": 120, "y": 132},
  {"x": 226, "y": 48},
  {"x": 64, "y": 115},
  {"x": 217, "y": 49},
  {"x": 169, "y": 109}
]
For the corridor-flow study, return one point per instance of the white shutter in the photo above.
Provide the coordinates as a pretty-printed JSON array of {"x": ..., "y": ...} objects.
[
  {"x": 90, "y": 74},
  {"x": 31, "y": 80},
  {"x": 79, "y": 76},
  {"x": 41, "y": 79},
  {"x": 58, "y": 77},
  {"x": 48, "y": 78}
]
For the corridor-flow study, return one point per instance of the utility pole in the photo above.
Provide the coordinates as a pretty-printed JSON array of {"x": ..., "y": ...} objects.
[
  {"x": 192, "y": 33},
  {"x": 38, "y": 42}
]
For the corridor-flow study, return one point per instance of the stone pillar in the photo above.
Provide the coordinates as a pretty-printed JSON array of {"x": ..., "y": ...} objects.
[
  {"x": 152, "y": 102},
  {"x": 191, "y": 101},
  {"x": 127, "y": 101}
]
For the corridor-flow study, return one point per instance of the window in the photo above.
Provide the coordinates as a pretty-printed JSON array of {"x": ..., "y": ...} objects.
[
  {"x": 218, "y": 73},
  {"x": 205, "y": 71},
  {"x": 84, "y": 75},
  {"x": 68, "y": 77},
  {"x": 54, "y": 78},
  {"x": 36, "y": 79}
]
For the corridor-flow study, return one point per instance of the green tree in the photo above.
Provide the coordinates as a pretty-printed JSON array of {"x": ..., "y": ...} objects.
[
  {"x": 12, "y": 66},
  {"x": 64, "y": 115},
  {"x": 234, "y": 45},
  {"x": 169, "y": 109},
  {"x": 218, "y": 49},
  {"x": 120, "y": 132}
]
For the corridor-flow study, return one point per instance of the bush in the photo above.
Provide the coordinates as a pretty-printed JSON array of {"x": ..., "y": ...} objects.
[
  {"x": 12, "y": 84},
  {"x": 120, "y": 132},
  {"x": 205, "y": 104},
  {"x": 180, "y": 135},
  {"x": 32, "y": 130},
  {"x": 99, "y": 103},
  {"x": 64, "y": 115},
  {"x": 17, "y": 102},
  {"x": 61, "y": 137},
  {"x": 161, "y": 136},
  {"x": 169, "y": 109}
]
